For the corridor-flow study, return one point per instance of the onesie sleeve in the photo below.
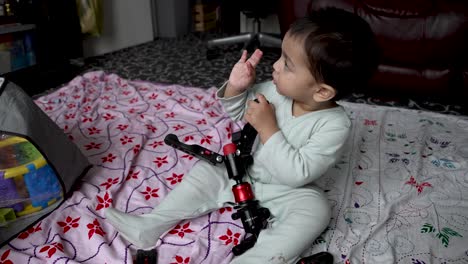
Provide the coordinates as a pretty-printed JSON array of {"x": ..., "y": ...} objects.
[
  {"x": 235, "y": 106},
  {"x": 297, "y": 167}
]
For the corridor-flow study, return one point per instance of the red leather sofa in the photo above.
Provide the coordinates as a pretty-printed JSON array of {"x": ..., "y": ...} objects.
[{"x": 424, "y": 44}]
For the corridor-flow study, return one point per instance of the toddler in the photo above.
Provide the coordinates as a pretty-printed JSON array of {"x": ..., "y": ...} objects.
[{"x": 301, "y": 131}]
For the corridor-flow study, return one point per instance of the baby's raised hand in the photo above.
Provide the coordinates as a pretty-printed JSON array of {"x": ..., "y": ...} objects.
[{"x": 243, "y": 73}]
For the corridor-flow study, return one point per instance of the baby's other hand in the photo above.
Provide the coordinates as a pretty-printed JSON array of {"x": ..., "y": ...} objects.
[
  {"x": 243, "y": 73},
  {"x": 262, "y": 117}
]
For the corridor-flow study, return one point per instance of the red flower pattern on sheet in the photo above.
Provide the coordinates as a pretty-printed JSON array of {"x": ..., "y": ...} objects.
[
  {"x": 230, "y": 237},
  {"x": 48, "y": 108},
  {"x": 160, "y": 161},
  {"x": 206, "y": 139},
  {"x": 212, "y": 114},
  {"x": 188, "y": 138},
  {"x": 170, "y": 115},
  {"x": 153, "y": 96},
  {"x": 169, "y": 92},
  {"x": 126, "y": 92},
  {"x": 86, "y": 119},
  {"x": 109, "y": 158},
  {"x": 132, "y": 175},
  {"x": 109, "y": 182},
  {"x": 69, "y": 223},
  {"x": 181, "y": 230},
  {"x": 201, "y": 122},
  {"x": 225, "y": 209},
  {"x": 175, "y": 178},
  {"x": 69, "y": 116},
  {"x": 199, "y": 97},
  {"x": 182, "y": 100},
  {"x": 151, "y": 127},
  {"x": 187, "y": 156},
  {"x": 150, "y": 193},
  {"x": 132, "y": 110},
  {"x": 159, "y": 106},
  {"x": 4, "y": 258},
  {"x": 126, "y": 139},
  {"x": 229, "y": 131},
  {"x": 93, "y": 145},
  {"x": 181, "y": 260},
  {"x": 419, "y": 186},
  {"x": 134, "y": 100},
  {"x": 107, "y": 107},
  {"x": 31, "y": 230},
  {"x": 122, "y": 127},
  {"x": 103, "y": 202},
  {"x": 86, "y": 109},
  {"x": 208, "y": 104},
  {"x": 51, "y": 249},
  {"x": 93, "y": 130},
  {"x": 95, "y": 228},
  {"x": 71, "y": 105},
  {"x": 178, "y": 127},
  {"x": 136, "y": 149},
  {"x": 108, "y": 116},
  {"x": 155, "y": 144}
]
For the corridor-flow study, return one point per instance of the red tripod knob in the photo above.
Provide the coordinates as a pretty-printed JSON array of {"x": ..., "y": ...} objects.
[{"x": 242, "y": 192}]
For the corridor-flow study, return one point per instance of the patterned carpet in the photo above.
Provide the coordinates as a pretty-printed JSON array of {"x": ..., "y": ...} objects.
[{"x": 183, "y": 61}]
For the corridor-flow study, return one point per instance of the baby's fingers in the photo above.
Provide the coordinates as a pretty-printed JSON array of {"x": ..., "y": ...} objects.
[
  {"x": 250, "y": 68},
  {"x": 243, "y": 56},
  {"x": 255, "y": 58}
]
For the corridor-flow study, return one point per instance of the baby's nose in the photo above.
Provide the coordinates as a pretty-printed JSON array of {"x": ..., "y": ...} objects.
[{"x": 275, "y": 65}]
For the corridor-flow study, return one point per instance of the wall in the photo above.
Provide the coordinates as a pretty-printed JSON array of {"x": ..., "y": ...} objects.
[
  {"x": 173, "y": 17},
  {"x": 125, "y": 23}
]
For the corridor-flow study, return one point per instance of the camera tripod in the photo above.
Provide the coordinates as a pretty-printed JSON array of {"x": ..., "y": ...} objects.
[{"x": 237, "y": 158}]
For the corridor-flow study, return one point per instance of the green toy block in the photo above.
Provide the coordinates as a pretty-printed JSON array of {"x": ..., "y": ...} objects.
[{"x": 6, "y": 215}]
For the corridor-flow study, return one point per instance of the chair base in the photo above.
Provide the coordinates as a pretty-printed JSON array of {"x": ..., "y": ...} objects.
[{"x": 251, "y": 42}]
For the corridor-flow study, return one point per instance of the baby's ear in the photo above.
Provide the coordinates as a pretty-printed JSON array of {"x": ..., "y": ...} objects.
[{"x": 324, "y": 93}]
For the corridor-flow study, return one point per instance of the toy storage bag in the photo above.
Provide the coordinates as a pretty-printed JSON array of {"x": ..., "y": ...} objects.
[{"x": 38, "y": 163}]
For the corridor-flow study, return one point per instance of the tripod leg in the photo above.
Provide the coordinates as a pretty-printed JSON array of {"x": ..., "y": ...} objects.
[{"x": 245, "y": 245}]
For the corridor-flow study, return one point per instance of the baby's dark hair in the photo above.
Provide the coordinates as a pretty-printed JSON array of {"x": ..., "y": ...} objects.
[{"x": 341, "y": 48}]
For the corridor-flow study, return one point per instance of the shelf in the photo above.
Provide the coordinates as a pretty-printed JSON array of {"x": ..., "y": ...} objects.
[{"x": 13, "y": 28}]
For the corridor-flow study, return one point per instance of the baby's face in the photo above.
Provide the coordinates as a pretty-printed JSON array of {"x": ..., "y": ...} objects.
[{"x": 291, "y": 74}]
